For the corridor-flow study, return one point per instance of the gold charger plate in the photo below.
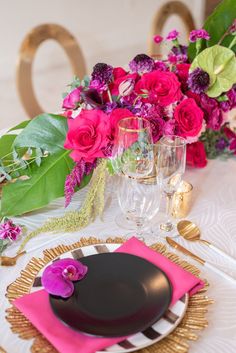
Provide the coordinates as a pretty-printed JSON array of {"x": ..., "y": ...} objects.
[{"x": 193, "y": 321}]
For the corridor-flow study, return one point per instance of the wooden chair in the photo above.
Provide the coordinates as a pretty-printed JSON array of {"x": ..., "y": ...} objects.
[
  {"x": 26, "y": 56},
  {"x": 170, "y": 8}
]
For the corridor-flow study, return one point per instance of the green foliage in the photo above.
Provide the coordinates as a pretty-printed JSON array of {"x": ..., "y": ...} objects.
[
  {"x": 216, "y": 25},
  {"x": 45, "y": 184},
  {"x": 210, "y": 139},
  {"x": 3, "y": 245},
  {"x": 46, "y": 131},
  {"x": 220, "y": 63}
]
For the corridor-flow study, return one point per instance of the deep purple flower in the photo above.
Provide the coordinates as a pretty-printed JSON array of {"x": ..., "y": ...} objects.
[
  {"x": 75, "y": 177},
  {"x": 147, "y": 110},
  {"x": 178, "y": 54},
  {"x": 157, "y": 39},
  {"x": 173, "y": 35},
  {"x": 225, "y": 106},
  {"x": 92, "y": 98},
  {"x": 57, "y": 278},
  {"x": 231, "y": 94},
  {"x": 141, "y": 63},
  {"x": 198, "y": 34},
  {"x": 212, "y": 113},
  {"x": 102, "y": 73},
  {"x": 157, "y": 128},
  {"x": 161, "y": 66},
  {"x": 198, "y": 81},
  {"x": 221, "y": 144},
  {"x": 109, "y": 107},
  {"x": 98, "y": 85},
  {"x": 9, "y": 230},
  {"x": 181, "y": 49},
  {"x": 232, "y": 28}
]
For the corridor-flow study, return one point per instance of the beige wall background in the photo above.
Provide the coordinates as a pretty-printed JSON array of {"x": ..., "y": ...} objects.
[{"x": 111, "y": 31}]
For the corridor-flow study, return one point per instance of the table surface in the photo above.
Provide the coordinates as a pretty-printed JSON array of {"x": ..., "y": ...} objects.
[{"x": 213, "y": 210}]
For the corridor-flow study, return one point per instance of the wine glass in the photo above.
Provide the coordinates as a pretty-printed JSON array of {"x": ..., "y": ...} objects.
[
  {"x": 140, "y": 199},
  {"x": 170, "y": 167},
  {"x": 132, "y": 153}
]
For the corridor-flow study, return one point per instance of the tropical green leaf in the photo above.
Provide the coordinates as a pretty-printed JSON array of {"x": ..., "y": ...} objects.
[
  {"x": 46, "y": 131},
  {"x": 20, "y": 126},
  {"x": 216, "y": 25},
  {"x": 45, "y": 185},
  {"x": 220, "y": 63},
  {"x": 7, "y": 140}
]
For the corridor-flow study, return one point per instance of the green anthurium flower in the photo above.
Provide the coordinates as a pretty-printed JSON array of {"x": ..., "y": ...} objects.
[{"x": 220, "y": 63}]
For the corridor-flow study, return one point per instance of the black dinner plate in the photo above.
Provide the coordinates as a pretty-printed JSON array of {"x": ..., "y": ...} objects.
[{"x": 120, "y": 295}]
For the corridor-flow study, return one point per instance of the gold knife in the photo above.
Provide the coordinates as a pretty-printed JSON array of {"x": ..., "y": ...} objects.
[{"x": 185, "y": 251}]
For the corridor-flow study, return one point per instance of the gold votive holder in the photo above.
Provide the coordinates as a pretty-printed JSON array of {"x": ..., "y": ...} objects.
[{"x": 182, "y": 200}]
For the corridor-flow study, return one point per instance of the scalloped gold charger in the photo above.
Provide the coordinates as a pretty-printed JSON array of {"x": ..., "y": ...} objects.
[{"x": 176, "y": 342}]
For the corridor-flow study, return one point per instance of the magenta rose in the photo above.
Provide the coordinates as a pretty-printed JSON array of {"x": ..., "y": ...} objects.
[
  {"x": 161, "y": 87},
  {"x": 189, "y": 118},
  {"x": 196, "y": 155},
  {"x": 72, "y": 99},
  {"x": 87, "y": 135}
]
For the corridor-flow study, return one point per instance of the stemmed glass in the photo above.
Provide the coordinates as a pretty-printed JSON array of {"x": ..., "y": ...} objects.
[
  {"x": 132, "y": 153},
  {"x": 170, "y": 167},
  {"x": 140, "y": 199}
]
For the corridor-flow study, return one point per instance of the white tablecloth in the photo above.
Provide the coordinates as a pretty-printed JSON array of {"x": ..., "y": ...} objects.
[{"x": 214, "y": 210}]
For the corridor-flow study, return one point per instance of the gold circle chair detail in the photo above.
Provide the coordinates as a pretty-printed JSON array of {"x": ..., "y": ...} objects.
[{"x": 26, "y": 56}]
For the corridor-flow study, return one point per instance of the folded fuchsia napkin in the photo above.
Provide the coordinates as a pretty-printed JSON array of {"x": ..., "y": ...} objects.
[{"x": 36, "y": 307}]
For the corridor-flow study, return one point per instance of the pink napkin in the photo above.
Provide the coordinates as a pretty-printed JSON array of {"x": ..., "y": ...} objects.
[{"x": 36, "y": 307}]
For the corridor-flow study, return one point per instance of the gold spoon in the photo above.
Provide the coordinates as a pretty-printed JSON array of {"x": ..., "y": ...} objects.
[
  {"x": 190, "y": 231},
  {"x": 10, "y": 261}
]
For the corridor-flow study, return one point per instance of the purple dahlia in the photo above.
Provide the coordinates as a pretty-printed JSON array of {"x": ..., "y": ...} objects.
[
  {"x": 198, "y": 81},
  {"x": 141, "y": 63},
  {"x": 102, "y": 73}
]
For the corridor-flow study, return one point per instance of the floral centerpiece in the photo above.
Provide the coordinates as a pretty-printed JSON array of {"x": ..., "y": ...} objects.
[{"x": 188, "y": 93}]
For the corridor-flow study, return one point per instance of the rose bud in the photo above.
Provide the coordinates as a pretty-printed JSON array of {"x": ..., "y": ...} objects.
[{"x": 126, "y": 87}]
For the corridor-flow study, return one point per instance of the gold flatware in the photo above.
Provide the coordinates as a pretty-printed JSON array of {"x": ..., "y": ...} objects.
[
  {"x": 2, "y": 350},
  {"x": 191, "y": 231},
  {"x": 10, "y": 261},
  {"x": 206, "y": 264}
]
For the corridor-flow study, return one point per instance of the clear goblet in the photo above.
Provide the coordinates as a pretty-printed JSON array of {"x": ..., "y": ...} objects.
[
  {"x": 140, "y": 199},
  {"x": 170, "y": 168}
]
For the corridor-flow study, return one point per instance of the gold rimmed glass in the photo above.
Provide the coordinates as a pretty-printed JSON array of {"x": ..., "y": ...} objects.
[
  {"x": 170, "y": 167},
  {"x": 133, "y": 147}
]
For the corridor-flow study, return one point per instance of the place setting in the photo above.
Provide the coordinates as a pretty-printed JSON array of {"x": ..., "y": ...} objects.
[{"x": 120, "y": 156}]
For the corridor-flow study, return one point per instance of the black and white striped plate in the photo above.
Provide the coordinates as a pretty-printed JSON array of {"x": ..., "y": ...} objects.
[{"x": 153, "y": 334}]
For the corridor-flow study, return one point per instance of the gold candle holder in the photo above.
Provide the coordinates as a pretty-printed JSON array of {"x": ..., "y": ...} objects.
[{"x": 182, "y": 200}]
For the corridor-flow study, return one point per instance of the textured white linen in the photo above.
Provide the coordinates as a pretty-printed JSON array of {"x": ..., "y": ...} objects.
[{"x": 214, "y": 210}]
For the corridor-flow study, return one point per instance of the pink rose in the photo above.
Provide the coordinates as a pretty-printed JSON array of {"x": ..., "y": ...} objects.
[
  {"x": 182, "y": 73},
  {"x": 115, "y": 116},
  {"x": 72, "y": 99},
  {"x": 118, "y": 72},
  {"x": 87, "y": 135},
  {"x": 161, "y": 87},
  {"x": 196, "y": 155},
  {"x": 189, "y": 118}
]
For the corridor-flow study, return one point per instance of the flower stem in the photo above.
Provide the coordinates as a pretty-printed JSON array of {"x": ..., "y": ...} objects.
[{"x": 109, "y": 95}]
